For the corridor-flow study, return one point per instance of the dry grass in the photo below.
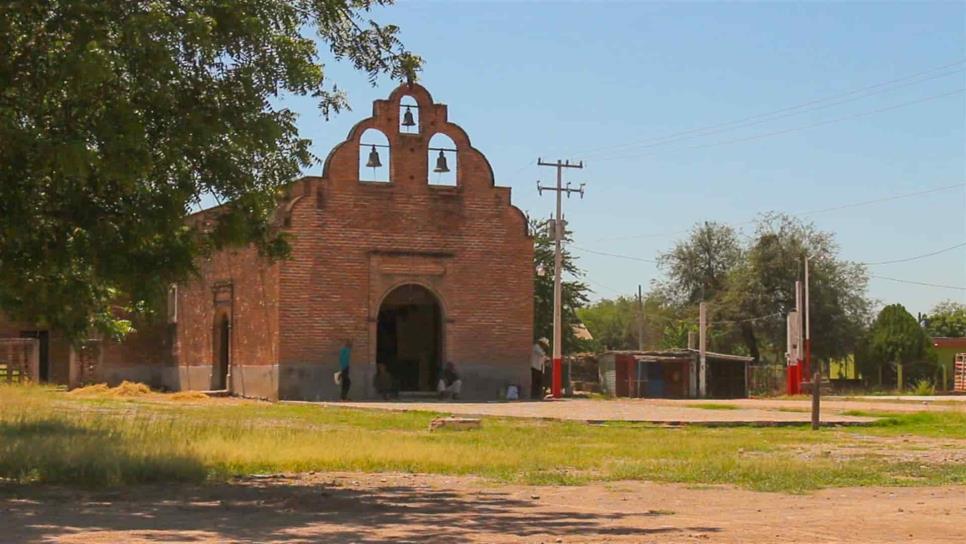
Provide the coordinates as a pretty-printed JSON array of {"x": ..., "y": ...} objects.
[
  {"x": 124, "y": 389},
  {"x": 102, "y": 439},
  {"x": 188, "y": 395}
]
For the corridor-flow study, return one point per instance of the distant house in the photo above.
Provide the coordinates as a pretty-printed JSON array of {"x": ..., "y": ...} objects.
[
  {"x": 673, "y": 374},
  {"x": 946, "y": 349}
]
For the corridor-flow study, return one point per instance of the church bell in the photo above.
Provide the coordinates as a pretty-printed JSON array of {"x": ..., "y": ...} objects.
[
  {"x": 441, "y": 163},
  {"x": 374, "y": 161},
  {"x": 408, "y": 120}
]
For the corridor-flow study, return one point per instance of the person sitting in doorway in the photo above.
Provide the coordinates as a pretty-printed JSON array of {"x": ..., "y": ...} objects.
[
  {"x": 449, "y": 382},
  {"x": 383, "y": 383}
]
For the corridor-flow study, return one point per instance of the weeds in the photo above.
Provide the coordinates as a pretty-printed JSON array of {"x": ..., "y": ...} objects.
[{"x": 101, "y": 439}]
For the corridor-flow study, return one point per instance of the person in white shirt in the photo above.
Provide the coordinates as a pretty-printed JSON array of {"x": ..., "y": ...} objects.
[{"x": 538, "y": 359}]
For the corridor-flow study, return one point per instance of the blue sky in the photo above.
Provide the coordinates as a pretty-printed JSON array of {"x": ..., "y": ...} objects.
[{"x": 587, "y": 80}]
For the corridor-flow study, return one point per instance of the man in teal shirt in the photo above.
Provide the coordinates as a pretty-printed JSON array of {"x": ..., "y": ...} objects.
[{"x": 345, "y": 355}]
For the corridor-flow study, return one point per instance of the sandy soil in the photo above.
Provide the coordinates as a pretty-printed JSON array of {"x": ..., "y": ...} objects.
[
  {"x": 369, "y": 508},
  {"x": 672, "y": 412}
]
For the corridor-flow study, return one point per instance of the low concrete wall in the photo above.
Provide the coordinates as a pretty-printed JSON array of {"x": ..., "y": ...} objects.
[
  {"x": 314, "y": 382},
  {"x": 255, "y": 381}
]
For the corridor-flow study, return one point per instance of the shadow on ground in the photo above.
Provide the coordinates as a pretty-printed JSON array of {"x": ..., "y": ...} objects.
[{"x": 277, "y": 509}]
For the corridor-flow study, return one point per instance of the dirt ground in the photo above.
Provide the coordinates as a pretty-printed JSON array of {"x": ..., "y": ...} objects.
[
  {"x": 369, "y": 508},
  {"x": 667, "y": 411}
]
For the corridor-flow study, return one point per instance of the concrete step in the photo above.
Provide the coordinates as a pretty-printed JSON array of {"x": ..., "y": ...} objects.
[
  {"x": 417, "y": 395},
  {"x": 218, "y": 393}
]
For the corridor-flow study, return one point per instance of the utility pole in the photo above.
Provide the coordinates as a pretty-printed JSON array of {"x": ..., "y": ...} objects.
[
  {"x": 797, "y": 368},
  {"x": 808, "y": 329},
  {"x": 558, "y": 234},
  {"x": 640, "y": 319},
  {"x": 702, "y": 349}
]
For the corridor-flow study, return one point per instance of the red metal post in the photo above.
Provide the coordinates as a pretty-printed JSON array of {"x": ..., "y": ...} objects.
[{"x": 555, "y": 384}]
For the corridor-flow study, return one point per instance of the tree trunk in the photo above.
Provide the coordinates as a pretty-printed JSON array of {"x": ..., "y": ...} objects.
[{"x": 748, "y": 334}]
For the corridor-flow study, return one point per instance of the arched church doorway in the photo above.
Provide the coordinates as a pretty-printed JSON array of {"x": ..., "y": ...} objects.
[{"x": 409, "y": 337}]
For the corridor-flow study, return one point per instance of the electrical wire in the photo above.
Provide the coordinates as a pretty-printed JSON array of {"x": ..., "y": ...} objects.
[
  {"x": 616, "y": 255},
  {"x": 748, "y": 320},
  {"x": 797, "y": 214},
  {"x": 789, "y": 111},
  {"x": 917, "y": 257},
  {"x": 911, "y": 282},
  {"x": 784, "y": 112},
  {"x": 799, "y": 128}
]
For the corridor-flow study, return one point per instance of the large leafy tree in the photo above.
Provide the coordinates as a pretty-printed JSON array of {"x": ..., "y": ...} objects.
[
  {"x": 573, "y": 291},
  {"x": 895, "y": 338},
  {"x": 751, "y": 286},
  {"x": 763, "y": 287},
  {"x": 698, "y": 266},
  {"x": 612, "y": 322},
  {"x": 116, "y": 118},
  {"x": 948, "y": 318},
  {"x": 615, "y": 323}
]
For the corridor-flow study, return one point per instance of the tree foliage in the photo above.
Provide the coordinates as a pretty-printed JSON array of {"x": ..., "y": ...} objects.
[
  {"x": 894, "y": 338},
  {"x": 948, "y": 318},
  {"x": 116, "y": 118},
  {"x": 764, "y": 284},
  {"x": 612, "y": 322},
  {"x": 698, "y": 267},
  {"x": 574, "y": 291},
  {"x": 751, "y": 286}
]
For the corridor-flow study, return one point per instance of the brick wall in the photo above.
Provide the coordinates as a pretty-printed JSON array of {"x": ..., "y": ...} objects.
[
  {"x": 243, "y": 286},
  {"x": 355, "y": 241}
]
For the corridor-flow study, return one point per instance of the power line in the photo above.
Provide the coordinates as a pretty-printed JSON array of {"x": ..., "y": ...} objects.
[
  {"x": 797, "y": 214},
  {"x": 917, "y": 257},
  {"x": 619, "y": 256},
  {"x": 748, "y": 320},
  {"x": 920, "y": 283},
  {"x": 905, "y": 80},
  {"x": 800, "y": 128},
  {"x": 598, "y": 284},
  {"x": 789, "y": 111}
]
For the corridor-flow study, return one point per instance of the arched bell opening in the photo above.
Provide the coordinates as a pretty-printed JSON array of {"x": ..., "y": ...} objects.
[
  {"x": 408, "y": 115},
  {"x": 409, "y": 337},
  {"x": 442, "y": 161},
  {"x": 374, "y": 156}
]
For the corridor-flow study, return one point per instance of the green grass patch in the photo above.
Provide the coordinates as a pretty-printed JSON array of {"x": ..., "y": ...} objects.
[
  {"x": 712, "y": 406},
  {"x": 51, "y": 437},
  {"x": 939, "y": 424}
]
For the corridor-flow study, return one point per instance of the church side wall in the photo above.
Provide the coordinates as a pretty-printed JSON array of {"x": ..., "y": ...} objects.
[{"x": 242, "y": 286}]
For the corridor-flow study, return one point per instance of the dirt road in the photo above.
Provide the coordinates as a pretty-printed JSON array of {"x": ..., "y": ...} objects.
[{"x": 369, "y": 508}]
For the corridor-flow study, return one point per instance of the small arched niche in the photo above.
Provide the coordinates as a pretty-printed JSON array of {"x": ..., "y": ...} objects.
[
  {"x": 408, "y": 115},
  {"x": 374, "y": 156},
  {"x": 442, "y": 161}
]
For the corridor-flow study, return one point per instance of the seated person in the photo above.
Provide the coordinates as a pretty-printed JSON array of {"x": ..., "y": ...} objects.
[
  {"x": 383, "y": 382},
  {"x": 449, "y": 382}
]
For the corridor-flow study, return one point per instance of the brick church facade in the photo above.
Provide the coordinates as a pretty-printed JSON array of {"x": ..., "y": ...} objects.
[{"x": 414, "y": 272}]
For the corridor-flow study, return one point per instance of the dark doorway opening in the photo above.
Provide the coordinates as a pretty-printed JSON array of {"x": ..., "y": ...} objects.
[
  {"x": 43, "y": 338},
  {"x": 222, "y": 337},
  {"x": 409, "y": 337},
  {"x": 726, "y": 380}
]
